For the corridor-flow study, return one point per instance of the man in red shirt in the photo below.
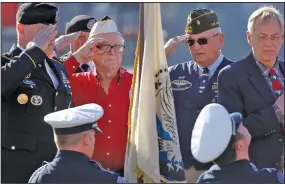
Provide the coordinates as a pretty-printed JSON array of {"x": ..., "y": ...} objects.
[{"x": 109, "y": 86}]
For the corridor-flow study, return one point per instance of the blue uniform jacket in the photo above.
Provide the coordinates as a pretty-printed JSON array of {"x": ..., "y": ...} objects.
[{"x": 75, "y": 167}]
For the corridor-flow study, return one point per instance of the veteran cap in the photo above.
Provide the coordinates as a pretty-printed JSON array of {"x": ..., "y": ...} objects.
[
  {"x": 80, "y": 23},
  {"x": 213, "y": 131},
  {"x": 200, "y": 20},
  {"x": 37, "y": 13},
  {"x": 106, "y": 25},
  {"x": 75, "y": 120}
]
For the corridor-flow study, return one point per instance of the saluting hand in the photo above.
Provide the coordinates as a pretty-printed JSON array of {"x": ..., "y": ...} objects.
[
  {"x": 172, "y": 43},
  {"x": 88, "y": 50},
  {"x": 44, "y": 37},
  {"x": 64, "y": 40}
]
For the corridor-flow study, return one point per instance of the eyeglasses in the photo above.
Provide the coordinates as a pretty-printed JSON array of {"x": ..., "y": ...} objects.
[
  {"x": 200, "y": 41},
  {"x": 107, "y": 48}
]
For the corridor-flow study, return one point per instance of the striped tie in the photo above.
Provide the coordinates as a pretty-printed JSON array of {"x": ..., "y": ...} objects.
[
  {"x": 275, "y": 82},
  {"x": 204, "y": 79}
]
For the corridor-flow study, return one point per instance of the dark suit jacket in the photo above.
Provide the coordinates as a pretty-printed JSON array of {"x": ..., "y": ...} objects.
[{"x": 243, "y": 88}]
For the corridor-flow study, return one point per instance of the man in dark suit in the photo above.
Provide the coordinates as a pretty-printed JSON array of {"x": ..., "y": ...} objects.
[
  {"x": 254, "y": 87},
  {"x": 33, "y": 85},
  {"x": 194, "y": 83},
  {"x": 76, "y": 34}
]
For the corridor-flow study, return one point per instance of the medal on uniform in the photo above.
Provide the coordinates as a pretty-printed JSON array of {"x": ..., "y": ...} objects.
[{"x": 22, "y": 99}]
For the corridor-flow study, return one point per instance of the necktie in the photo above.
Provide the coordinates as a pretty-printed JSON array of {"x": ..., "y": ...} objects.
[
  {"x": 277, "y": 85},
  {"x": 204, "y": 79},
  {"x": 85, "y": 67}
]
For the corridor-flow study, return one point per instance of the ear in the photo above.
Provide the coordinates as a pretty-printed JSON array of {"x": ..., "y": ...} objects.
[
  {"x": 249, "y": 38},
  {"x": 222, "y": 39},
  {"x": 239, "y": 146},
  {"x": 86, "y": 140},
  {"x": 20, "y": 29}
]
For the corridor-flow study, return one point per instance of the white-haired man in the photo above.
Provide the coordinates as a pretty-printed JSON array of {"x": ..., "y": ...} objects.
[
  {"x": 194, "y": 83},
  {"x": 254, "y": 87},
  {"x": 109, "y": 86}
]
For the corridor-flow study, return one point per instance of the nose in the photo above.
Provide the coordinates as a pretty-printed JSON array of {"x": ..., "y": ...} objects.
[{"x": 112, "y": 51}]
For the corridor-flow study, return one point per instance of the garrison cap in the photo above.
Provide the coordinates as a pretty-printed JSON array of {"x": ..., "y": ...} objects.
[
  {"x": 80, "y": 23},
  {"x": 200, "y": 20},
  {"x": 213, "y": 131},
  {"x": 75, "y": 120},
  {"x": 106, "y": 25},
  {"x": 37, "y": 13}
]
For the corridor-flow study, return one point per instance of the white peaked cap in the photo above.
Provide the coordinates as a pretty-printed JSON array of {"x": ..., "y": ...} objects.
[
  {"x": 213, "y": 131},
  {"x": 76, "y": 119},
  {"x": 106, "y": 25}
]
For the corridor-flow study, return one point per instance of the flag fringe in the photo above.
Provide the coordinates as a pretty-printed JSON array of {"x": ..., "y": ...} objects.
[{"x": 134, "y": 83}]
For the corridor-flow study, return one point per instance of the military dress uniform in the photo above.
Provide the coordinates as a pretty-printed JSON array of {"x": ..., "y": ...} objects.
[
  {"x": 194, "y": 87},
  {"x": 70, "y": 165},
  {"x": 28, "y": 93},
  {"x": 214, "y": 138}
]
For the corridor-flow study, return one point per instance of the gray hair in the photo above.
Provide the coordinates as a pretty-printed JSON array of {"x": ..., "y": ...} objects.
[{"x": 265, "y": 13}]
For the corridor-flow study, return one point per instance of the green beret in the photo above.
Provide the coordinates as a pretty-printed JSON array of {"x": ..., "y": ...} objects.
[{"x": 201, "y": 20}]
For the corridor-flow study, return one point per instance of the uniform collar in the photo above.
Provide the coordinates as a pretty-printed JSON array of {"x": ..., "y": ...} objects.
[
  {"x": 212, "y": 68},
  {"x": 20, "y": 47},
  {"x": 71, "y": 154},
  {"x": 15, "y": 51}
]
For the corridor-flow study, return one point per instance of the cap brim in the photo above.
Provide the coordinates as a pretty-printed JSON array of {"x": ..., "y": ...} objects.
[
  {"x": 237, "y": 119},
  {"x": 96, "y": 128}
]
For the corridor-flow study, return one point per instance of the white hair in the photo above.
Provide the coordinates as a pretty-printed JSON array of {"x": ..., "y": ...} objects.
[{"x": 265, "y": 13}]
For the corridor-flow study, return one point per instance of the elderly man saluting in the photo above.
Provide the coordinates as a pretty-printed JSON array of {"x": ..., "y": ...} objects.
[{"x": 109, "y": 86}]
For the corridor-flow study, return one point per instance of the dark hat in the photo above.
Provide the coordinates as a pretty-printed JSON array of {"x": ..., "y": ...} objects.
[
  {"x": 213, "y": 130},
  {"x": 35, "y": 13},
  {"x": 75, "y": 120},
  {"x": 201, "y": 20},
  {"x": 80, "y": 23}
]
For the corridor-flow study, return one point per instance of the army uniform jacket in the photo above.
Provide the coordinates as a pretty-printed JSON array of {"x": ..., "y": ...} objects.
[{"x": 28, "y": 94}]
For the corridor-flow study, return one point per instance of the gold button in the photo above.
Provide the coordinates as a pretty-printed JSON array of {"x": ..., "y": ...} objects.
[
  {"x": 56, "y": 93},
  {"x": 73, "y": 66},
  {"x": 110, "y": 105},
  {"x": 13, "y": 147},
  {"x": 109, "y": 121},
  {"x": 109, "y": 137},
  {"x": 108, "y": 153}
]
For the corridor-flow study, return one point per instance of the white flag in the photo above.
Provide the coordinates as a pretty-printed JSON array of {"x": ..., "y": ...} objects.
[{"x": 153, "y": 151}]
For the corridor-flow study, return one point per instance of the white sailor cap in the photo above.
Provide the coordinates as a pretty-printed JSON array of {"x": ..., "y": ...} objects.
[
  {"x": 75, "y": 120},
  {"x": 106, "y": 25},
  {"x": 212, "y": 132}
]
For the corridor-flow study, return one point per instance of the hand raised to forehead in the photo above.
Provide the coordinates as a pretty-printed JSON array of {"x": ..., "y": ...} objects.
[
  {"x": 44, "y": 37},
  {"x": 172, "y": 43},
  {"x": 88, "y": 50},
  {"x": 64, "y": 40}
]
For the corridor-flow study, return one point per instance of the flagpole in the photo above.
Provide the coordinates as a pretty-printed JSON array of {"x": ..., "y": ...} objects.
[{"x": 141, "y": 39}]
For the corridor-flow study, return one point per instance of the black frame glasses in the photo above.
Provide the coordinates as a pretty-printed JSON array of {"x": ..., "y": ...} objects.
[
  {"x": 200, "y": 41},
  {"x": 107, "y": 48}
]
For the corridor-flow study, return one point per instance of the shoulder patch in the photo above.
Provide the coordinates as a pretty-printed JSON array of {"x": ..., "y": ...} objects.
[
  {"x": 280, "y": 177},
  {"x": 121, "y": 180},
  {"x": 99, "y": 166}
]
